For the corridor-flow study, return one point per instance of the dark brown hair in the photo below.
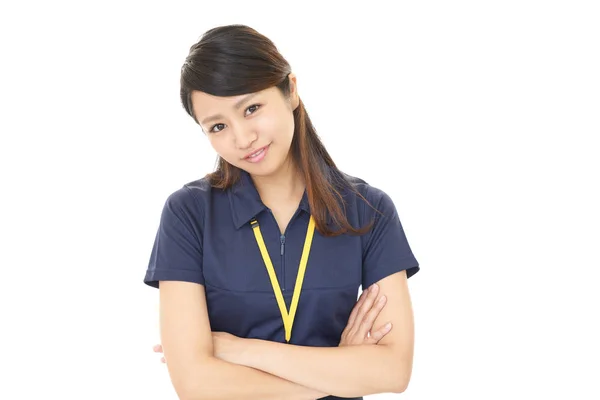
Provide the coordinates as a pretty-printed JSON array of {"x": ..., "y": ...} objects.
[{"x": 235, "y": 59}]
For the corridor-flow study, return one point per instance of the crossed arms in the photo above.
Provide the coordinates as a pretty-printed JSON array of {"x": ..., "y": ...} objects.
[{"x": 233, "y": 368}]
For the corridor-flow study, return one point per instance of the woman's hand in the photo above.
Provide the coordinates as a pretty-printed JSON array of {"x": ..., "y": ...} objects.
[
  {"x": 361, "y": 320},
  {"x": 158, "y": 349}
]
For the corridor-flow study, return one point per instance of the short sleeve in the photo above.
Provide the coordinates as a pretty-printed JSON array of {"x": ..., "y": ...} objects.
[
  {"x": 386, "y": 250},
  {"x": 177, "y": 251}
]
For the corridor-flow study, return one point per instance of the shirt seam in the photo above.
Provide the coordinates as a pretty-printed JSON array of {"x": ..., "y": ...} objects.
[
  {"x": 271, "y": 291},
  {"x": 200, "y": 206}
]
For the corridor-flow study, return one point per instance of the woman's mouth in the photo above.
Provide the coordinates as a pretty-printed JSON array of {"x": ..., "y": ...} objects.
[{"x": 257, "y": 155}]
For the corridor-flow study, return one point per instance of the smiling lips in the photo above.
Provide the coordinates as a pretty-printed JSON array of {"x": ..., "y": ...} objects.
[{"x": 257, "y": 155}]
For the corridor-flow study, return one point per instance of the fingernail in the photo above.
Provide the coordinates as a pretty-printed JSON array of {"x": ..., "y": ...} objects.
[
  {"x": 375, "y": 287},
  {"x": 382, "y": 299},
  {"x": 388, "y": 325}
]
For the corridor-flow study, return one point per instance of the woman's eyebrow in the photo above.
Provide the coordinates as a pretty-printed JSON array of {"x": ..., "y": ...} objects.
[{"x": 235, "y": 106}]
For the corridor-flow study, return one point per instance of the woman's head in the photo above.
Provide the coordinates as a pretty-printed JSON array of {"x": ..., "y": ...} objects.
[{"x": 242, "y": 92}]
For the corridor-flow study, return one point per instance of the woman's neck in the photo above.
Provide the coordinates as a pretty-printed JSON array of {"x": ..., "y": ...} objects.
[{"x": 286, "y": 185}]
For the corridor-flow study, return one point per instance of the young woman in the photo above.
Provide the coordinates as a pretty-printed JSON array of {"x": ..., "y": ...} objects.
[{"x": 259, "y": 263}]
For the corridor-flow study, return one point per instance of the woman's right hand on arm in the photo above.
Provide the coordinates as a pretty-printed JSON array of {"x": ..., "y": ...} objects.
[{"x": 362, "y": 318}]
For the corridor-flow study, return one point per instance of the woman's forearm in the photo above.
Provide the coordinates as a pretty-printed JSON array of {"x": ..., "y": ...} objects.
[
  {"x": 348, "y": 371},
  {"x": 216, "y": 379}
]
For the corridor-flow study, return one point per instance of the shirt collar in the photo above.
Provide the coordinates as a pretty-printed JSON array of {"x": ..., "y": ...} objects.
[{"x": 246, "y": 203}]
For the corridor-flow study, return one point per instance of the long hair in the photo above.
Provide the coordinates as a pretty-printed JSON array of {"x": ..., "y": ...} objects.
[{"x": 235, "y": 59}]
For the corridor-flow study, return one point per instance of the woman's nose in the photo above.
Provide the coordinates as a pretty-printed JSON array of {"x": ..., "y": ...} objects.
[{"x": 245, "y": 138}]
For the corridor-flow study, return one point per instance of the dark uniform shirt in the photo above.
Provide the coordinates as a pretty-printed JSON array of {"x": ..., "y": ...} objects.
[{"x": 204, "y": 236}]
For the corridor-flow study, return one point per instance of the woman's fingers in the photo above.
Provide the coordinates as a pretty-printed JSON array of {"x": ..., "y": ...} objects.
[
  {"x": 354, "y": 312},
  {"x": 357, "y": 306},
  {"x": 158, "y": 349},
  {"x": 371, "y": 316},
  {"x": 364, "y": 309},
  {"x": 381, "y": 332}
]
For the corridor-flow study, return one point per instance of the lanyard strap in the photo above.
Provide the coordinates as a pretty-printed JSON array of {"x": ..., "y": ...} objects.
[{"x": 288, "y": 319}]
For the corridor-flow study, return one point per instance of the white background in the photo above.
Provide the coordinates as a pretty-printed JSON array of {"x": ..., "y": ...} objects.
[{"x": 480, "y": 119}]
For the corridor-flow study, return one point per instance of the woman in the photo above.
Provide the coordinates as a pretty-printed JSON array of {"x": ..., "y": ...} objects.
[{"x": 259, "y": 263}]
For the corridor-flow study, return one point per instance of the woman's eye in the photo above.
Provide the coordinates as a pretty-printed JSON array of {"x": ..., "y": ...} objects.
[
  {"x": 253, "y": 108},
  {"x": 212, "y": 130}
]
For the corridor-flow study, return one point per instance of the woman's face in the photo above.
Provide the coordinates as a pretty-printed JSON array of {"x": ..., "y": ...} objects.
[{"x": 251, "y": 131}]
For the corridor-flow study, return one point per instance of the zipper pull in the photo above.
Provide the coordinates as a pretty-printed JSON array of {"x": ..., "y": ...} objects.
[{"x": 282, "y": 243}]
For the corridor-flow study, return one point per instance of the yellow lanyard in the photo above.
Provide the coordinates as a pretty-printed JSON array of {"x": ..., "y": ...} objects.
[{"x": 288, "y": 319}]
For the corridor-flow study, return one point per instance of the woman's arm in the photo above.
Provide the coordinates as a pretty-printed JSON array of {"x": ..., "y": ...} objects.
[
  {"x": 195, "y": 373},
  {"x": 348, "y": 371}
]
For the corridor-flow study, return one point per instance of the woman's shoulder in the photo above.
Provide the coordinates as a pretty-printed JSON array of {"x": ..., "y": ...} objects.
[
  {"x": 199, "y": 187},
  {"x": 358, "y": 186},
  {"x": 190, "y": 199}
]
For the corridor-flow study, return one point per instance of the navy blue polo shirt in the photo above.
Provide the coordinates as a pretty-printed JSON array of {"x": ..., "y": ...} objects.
[{"x": 204, "y": 236}]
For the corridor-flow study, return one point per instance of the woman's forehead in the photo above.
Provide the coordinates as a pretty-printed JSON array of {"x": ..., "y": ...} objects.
[{"x": 205, "y": 103}]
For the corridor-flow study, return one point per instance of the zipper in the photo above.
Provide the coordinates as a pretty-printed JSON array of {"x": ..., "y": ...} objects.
[
  {"x": 282, "y": 238},
  {"x": 282, "y": 241}
]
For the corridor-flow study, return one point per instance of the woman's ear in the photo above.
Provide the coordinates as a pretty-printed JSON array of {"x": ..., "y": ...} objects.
[{"x": 294, "y": 98}]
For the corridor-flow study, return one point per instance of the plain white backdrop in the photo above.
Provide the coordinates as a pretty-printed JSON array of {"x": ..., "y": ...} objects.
[{"x": 480, "y": 119}]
